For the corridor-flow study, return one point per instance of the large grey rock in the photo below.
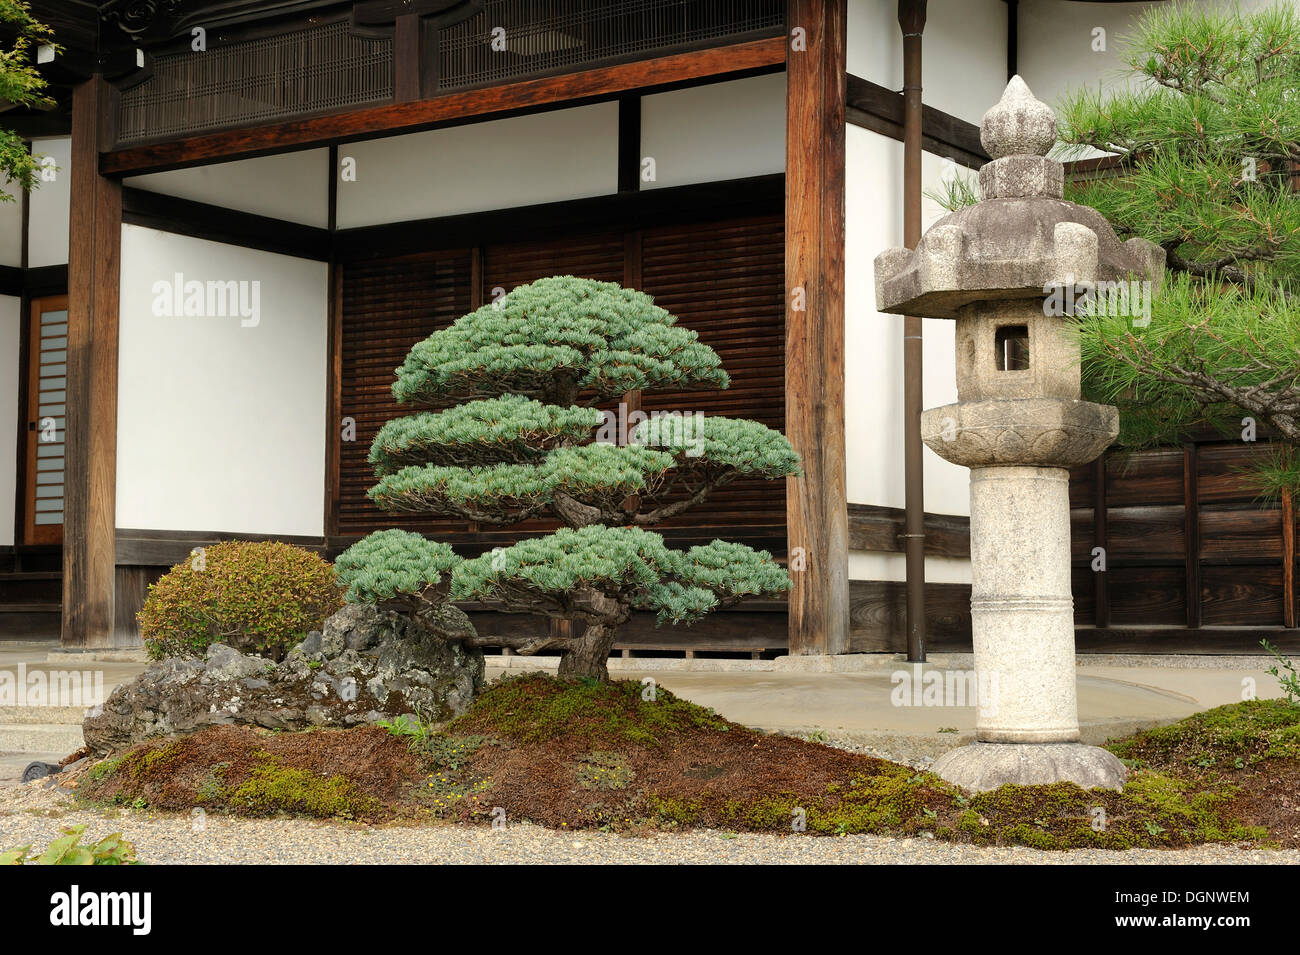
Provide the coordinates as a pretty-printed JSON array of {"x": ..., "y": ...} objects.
[
  {"x": 365, "y": 665},
  {"x": 984, "y": 766}
]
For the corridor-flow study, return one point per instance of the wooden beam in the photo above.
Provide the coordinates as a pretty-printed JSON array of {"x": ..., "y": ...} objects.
[
  {"x": 414, "y": 116},
  {"x": 880, "y": 109},
  {"x": 90, "y": 466},
  {"x": 879, "y": 616},
  {"x": 45, "y": 280},
  {"x": 13, "y": 280},
  {"x": 153, "y": 548},
  {"x": 334, "y": 399},
  {"x": 415, "y": 58},
  {"x": 816, "y": 508},
  {"x": 629, "y": 143},
  {"x": 406, "y": 59},
  {"x": 1207, "y": 640},
  {"x": 876, "y": 528},
  {"x": 676, "y": 205},
  {"x": 154, "y": 210}
]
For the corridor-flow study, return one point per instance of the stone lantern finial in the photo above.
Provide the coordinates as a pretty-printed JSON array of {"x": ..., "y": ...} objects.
[
  {"x": 1018, "y": 133},
  {"x": 1018, "y": 124}
]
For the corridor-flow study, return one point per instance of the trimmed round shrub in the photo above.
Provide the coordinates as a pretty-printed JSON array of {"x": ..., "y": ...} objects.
[{"x": 256, "y": 596}]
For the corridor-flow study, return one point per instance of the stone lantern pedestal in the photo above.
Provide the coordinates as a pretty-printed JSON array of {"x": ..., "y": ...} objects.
[{"x": 996, "y": 268}]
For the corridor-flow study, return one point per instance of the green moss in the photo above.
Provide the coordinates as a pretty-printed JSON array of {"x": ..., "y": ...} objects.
[
  {"x": 212, "y": 788},
  {"x": 104, "y": 769},
  {"x": 1226, "y": 737},
  {"x": 273, "y": 788},
  {"x": 669, "y": 812},
  {"x": 603, "y": 770},
  {"x": 141, "y": 762},
  {"x": 1153, "y": 811},
  {"x": 534, "y": 709}
]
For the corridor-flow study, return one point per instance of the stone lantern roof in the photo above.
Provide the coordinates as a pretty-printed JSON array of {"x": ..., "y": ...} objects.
[{"x": 1020, "y": 239}]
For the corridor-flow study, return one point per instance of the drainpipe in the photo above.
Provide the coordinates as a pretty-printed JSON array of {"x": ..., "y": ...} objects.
[
  {"x": 911, "y": 19},
  {"x": 1013, "y": 38}
]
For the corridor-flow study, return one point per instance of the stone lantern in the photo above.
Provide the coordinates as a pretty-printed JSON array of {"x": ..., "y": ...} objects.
[{"x": 996, "y": 268}]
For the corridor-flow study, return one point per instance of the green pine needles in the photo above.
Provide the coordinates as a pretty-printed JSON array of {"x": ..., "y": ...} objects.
[
  {"x": 1207, "y": 135},
  {"x": 529, "y": 442},
  {"x": 1204, "y": 127}
]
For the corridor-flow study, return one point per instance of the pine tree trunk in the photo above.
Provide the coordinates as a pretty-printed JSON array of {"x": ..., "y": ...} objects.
[{"x": 589, "y": 658}]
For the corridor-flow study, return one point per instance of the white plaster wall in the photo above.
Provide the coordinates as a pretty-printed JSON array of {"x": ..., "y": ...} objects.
[
  {"x": 291, "y": 186},
  {"x": 1056, "y": 50},
  {"x": 874, "y": 341},
  {"x": 876, "y": 566},
  {"x": 221, "y": 427},
  {"x": 11, "y": 226},
  {"x": 48, "y": 220},
  {"x": 10, "y": 388},
  {"x": 521, "y": 161},
  {"x": 874, "y": 354},
  {"x": 720, "y": 131},
  {"x": 963, "y": 53}
]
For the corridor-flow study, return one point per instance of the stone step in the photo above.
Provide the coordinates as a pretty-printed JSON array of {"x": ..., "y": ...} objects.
[{"x": 40, "y": 737}]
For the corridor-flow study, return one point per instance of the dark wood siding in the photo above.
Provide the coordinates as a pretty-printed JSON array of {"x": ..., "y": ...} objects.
[
  {"x": 725, "y": 280},
  {"x": 387, "y": 307},
  {"x": 1189, "y": 541}
]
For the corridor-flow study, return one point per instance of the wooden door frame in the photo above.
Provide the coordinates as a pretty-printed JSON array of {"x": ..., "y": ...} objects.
[{"x": 32, "y": 534}]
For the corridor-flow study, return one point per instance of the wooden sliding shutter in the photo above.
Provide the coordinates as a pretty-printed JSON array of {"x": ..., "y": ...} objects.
[
  {"x": 725, "y": 280},
  {"x": 387, "y": 307},
  {"x": 507, "y": 265}
]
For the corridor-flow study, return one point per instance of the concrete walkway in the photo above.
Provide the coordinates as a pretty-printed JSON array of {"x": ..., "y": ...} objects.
[{"x": 852, "y": 699}]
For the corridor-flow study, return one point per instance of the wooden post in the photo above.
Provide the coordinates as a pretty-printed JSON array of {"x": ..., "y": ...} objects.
[
  {"x": 90, "y": 466},
  {"x": 415, "y": 58},
  {"x": 816, "y": 507}
]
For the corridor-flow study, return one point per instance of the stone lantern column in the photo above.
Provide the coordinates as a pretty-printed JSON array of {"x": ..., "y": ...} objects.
[{"x": 1000, "y": 268}]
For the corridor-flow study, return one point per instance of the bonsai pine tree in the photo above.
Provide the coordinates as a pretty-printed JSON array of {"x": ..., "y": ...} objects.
[
  {"x": 530, "y": 370},
  {"x": 1208, "y": 144}
]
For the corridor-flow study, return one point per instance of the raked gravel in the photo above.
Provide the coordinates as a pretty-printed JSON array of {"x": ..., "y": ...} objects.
[{"x": 35, "y": 815}]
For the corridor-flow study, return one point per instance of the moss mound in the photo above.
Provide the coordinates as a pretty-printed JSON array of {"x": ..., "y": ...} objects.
[
  {"x": 539, "y": 709},
  {"x": 1247, "y": 753},
  {"x": 362, "y": 773},
  {"x": 1227, "y": 737},
  {"x": 602, "y": 755}
]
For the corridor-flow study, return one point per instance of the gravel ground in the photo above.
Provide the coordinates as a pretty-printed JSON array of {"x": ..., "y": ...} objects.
[
  {"x": 34, "y": 814},
  {"x": 168, "y": 839}
]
